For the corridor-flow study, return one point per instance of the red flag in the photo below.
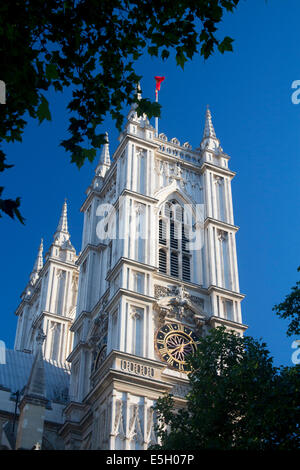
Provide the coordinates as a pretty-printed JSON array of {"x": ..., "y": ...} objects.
[{"x": 158, "y": 82}]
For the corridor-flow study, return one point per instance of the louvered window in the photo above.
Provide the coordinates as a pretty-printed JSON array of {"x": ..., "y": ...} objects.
[
  {"x": 186, "y": 269},
  {"x": 174, "y": 259},
  {"x": 184, "y": 239},
  {"x": 173, "y": 235},
  {"x": 174, "y": 264},
  {"x": 162, "y": 261},
  {"x": 162, "y": 232}
]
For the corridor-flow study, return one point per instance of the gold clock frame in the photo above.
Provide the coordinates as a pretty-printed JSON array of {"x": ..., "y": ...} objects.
[{"x": 170, "y": 329}]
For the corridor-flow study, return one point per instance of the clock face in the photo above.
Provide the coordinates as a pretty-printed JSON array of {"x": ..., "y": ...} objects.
[{"x": 174, "y": 342}]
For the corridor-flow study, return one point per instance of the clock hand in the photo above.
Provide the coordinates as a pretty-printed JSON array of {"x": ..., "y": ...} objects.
[{"x": 180, "y": 347}]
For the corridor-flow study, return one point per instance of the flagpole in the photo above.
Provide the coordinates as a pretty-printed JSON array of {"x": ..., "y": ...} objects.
[
  {"x": 157, "y": 88},
  {"x": 156, "y": 119}
]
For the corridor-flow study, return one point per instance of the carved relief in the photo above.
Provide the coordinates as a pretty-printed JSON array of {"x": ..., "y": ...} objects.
[
  {"x": 135, "y": 429},
  {"x": 151, "y": 437},
  {"x": 98, "y": 340},
  {"x": 222, "y": 236},
  {"x": 119, "y": 422},
  {"x": 175, "y": 303}
]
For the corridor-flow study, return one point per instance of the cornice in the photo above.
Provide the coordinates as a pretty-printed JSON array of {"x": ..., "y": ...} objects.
[
  {"x": 87, "y": 248},
  {"x": 108, "y": 374},
  {"x": 223, "y": 291},
  {"x": 176, "y": 281},
  {"x": 75, "y": 324},
  {"x": 88, "y": 199},
  {"x": 134, "y": 263},
  {"x": 142, "y": 197},
  {"x": 58, "y": 261},
  {"x": 217, "y": 169},
  {"x": 220, "y": 224},
  {"x": 79, "y": 346},
  {"x": 129, "y": 293},
  {"x": 229, "y": 323},
  {"x": 44, "y": 313},
  {"x": 133, "y": 137}
]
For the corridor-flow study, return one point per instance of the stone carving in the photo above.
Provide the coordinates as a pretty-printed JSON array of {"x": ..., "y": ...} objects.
[
  {"x": 151, "y": 437},
  {"x": 222, "y": 236},
  {"x": 160, "y": 291},
  {"x": 118, "y": 424},
  {"x": 175, "y": 302},
  {"x": 135, "y": 313},
  {"x": 135, "y": 430},
  {"x": 140, "y": 153},
  {"x": 139, "y": 208},
  {"x": 218, "y": 180}
]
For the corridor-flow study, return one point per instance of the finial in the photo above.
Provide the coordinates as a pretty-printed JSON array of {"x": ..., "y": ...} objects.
[
  {"x": 209, "y": 130},
  {"x": 38, "y": 263},
  {"x": 62, "y": 233},
  {"x": 63, "y": 221},
  {"x": 104, "y": 161}
]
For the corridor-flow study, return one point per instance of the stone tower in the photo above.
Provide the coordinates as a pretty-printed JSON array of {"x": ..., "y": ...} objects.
[
  {"x": 158, "y": 268},
  {"x": 49, "y": 299}
]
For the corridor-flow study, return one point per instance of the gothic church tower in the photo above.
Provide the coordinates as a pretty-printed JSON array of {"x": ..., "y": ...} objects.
[
  {"x": 49, "y": 299},
  {"x": 158, "y": 268}
]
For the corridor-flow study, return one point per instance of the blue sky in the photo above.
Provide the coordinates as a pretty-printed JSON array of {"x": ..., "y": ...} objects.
[{"x": 249, "y": 93}]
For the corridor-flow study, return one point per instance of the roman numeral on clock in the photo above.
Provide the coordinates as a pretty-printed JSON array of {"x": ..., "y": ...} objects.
[
  {"x": 170, "y": 361},
  {"x": 163, "y": 351}
]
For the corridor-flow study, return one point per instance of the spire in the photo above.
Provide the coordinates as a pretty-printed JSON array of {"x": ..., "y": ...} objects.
[
  {"x": 209, "y": 130},
  {"x": 38, "y": 264},
  {"x": 63, "y": 221},
  {"x": 36, "y": 384},
  {"x": 62, "y": 234},
  {"x": 209, "y": 140},
  {"x": 33, "y": 403},
  {"x": 104, "y": 161}
]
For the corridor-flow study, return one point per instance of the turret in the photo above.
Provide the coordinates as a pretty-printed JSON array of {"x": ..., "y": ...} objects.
[
  {"x": 62, "y": 246},
  {"x": 104, "y": 161},
  {"x": 37, "y": 265}
]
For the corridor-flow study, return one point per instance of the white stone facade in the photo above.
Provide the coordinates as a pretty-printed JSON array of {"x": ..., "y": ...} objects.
[
  {"x": 130, "y": 286},
  {"x": 50, "y": 297}
]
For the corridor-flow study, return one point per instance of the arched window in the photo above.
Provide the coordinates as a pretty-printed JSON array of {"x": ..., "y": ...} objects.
[{"x": 174, "y": 256}]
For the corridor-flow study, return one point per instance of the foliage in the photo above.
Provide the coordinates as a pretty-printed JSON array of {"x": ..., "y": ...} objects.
[
  {"x": 237, "y": 400},
  {"x": 290, "y": 308},
  {"x": 92, "y": 46}
]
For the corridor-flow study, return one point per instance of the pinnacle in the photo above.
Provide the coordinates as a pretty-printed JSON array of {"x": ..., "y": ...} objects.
[
  {"x": 62, "y": 232},
  {"x": 63, "y": 221},
  {"x": 38, "y": 263},
  {"x": 209, "y": 130},
  {"x": 104, "y": 157}
]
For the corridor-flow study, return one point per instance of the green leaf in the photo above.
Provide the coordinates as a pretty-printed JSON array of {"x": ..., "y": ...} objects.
[
  {"x": 43, "y": 110},
  {"x": 226, "y": 45},
  {"x": 180, "y": 58},
  {"x": 51, "y": 72},
  {"x": 153, "y": 50},
  {"x": 165, "y": 54},
  {"x": 89, "y": 154}
]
